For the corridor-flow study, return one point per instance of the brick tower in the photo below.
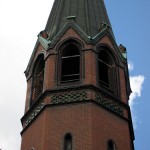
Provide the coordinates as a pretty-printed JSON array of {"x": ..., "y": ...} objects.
[{"x": 77, "y": 83}]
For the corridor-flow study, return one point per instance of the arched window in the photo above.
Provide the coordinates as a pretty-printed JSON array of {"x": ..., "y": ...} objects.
[
  {"x": 70, "y": 63},
  {"x": 106, "y": 68},
  {"x": 68, "y": 142},
  {"x": 38, "y": 78},
  {"x": 111, "y": 145}
]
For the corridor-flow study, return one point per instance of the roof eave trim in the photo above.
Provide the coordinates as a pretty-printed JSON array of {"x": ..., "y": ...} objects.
[{"x": 83, "y": 35}]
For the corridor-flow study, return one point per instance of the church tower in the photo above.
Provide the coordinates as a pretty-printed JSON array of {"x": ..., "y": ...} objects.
[{"x": 77, "y": 83}]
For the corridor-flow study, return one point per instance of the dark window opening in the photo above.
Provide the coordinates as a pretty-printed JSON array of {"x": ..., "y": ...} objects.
[
  {"x": 105, "y": 69},
  {"x": 111, "y": 146},
  {"x": 68, "y": 142},
  {"x": 103, "y": 73},
  {"x": 70, "y": 64},
  {"x": 38, "y": 78}
]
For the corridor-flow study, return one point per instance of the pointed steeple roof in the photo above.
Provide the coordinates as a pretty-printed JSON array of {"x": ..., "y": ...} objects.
[{"x": 89, "y": 15}]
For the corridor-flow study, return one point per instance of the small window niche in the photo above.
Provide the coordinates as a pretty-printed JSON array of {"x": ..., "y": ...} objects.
[
  {"x": 38, "y": 77},
  {"x": 111, "y": 145},
  {"x": 70, "y": 63},
  {"x": 68, "y": 142},
  {"x": 106, "y": 69}
]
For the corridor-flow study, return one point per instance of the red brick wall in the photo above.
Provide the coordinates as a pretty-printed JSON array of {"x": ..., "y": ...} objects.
[
  {"x": 50, "y": 75},
  {"x": 34, "y": 135},
  {"x": 75, "y": 119},
  {"x": 107, "y": 126},
  {"x": 48, "y": 130},
  {"x": 123, "y": 86},
  {"x": 28, "y": 94},
  {"x": 90, "y": 126},
  {"x": 90, "y": 67}
]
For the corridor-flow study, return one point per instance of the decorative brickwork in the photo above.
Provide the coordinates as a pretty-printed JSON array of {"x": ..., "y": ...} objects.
[
  {"x": 108, "y": 103},
  {"x": 69, "y": 97},
  {"x": 34, "y": 113}
]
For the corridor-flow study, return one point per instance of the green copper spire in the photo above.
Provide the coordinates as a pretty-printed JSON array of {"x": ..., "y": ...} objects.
[{"x": 90, "y": 16}]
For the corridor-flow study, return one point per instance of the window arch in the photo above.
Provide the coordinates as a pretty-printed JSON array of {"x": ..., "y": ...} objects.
[
  {"x": 70, "y": 63},
  {"x": 68, "y": 142},
  {"x": 38, "y": 77},
  {"x": 106, "y": 68},
  {"x": 111, "y": 145}
]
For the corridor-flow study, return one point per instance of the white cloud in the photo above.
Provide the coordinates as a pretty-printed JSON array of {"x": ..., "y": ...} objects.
[
  {"x": 10, "y": 143},
  {"x": 136, "y": 86},
  {"x": 130, "y": 66},
  {"x": 136, "y": 83}
]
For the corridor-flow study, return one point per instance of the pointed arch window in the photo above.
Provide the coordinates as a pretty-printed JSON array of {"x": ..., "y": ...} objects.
[
  {"x": 38, "y": 78},
  {"x": 70, "y": 63},
  {"x": 68, "y": 142},
  {"x": 106, "y": 67}
]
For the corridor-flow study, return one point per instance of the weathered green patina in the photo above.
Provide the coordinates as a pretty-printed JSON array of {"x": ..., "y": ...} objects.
[{"x": 89, "y": 15}]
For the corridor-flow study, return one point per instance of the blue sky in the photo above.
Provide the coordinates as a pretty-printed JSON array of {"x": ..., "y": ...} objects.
[{"x": 20, "y": 23}]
